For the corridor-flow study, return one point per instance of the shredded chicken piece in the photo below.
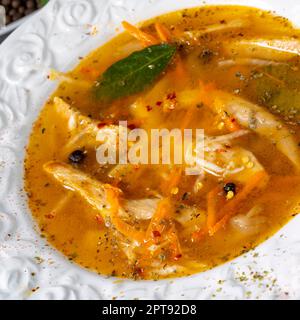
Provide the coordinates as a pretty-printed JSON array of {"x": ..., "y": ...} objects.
[
  {"x": 247, "y": 61},
  {"x": 221, "y": 159},
  {"x": 142, "y": 209},
  {"x": 268, "y": 49},
  {"x": 60, "y": 76},
  {"x": 94, "y": 192},
  {"x": 75, "y": 120},
  {"x": 233, "y": 24},
  {"x": 83, "y": 130},
  {"x": 251, "y": 222},
  {"x": 258, "y": 119},
  {"x": 214, "y": 143}
]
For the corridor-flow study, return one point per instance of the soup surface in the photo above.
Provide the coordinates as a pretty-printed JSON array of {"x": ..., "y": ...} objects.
[{"x": 232, "y": 71}]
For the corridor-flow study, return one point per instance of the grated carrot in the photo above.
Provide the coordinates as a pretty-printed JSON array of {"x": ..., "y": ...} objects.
[
  {"x": 175, "y": 248},
  {"x": 162, "y": 213},
  {"x": 161, "y": 223},
  {"x": 127, "y": 230},
  {"x": 258, "y": 181}
]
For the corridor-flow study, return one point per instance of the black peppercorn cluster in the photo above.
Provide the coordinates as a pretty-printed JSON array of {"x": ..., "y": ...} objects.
[{"x": 16, "y": 9}]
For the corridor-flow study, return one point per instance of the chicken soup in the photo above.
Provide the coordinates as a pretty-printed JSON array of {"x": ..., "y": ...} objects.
[{"x": 230, "y": 72}]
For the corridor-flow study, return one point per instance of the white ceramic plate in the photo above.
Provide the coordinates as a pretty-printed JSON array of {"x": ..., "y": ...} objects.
[{"x": 29, "y": 267}]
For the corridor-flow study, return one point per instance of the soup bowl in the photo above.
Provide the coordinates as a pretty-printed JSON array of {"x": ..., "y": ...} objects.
[{"x": 57, "y": 37}]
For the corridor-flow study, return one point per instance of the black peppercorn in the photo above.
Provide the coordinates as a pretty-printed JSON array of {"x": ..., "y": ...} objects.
[
  {"x": 77, "y": 156},
  {"x": 230, "y": 186}
]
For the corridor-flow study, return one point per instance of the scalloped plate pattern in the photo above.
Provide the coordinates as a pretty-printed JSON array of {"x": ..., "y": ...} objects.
[{"x": 30, "y": 268}]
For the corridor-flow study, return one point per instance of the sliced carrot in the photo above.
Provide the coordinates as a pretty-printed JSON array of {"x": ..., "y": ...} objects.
[
  {"x": 257, "y": 182},
  {"x": 127, "y": 230},
  {"x": 145, "y": 38}
]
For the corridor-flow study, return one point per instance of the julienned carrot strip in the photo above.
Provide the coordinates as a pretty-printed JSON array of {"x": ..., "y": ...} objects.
[
  {"x": 162, "y": 213},
  {"x": 175, "y": 247},
  {"x": 155, "y": 232},
  {"x": 162, "y": 228},
  {"x": 180, "y": 70},
  {"x": 163, "y": 33},
  {"x": 127, "y": 230},
  {"x": 258, "y": 181},
  {"x": 148, "y": 40},
  {"x": 206, "y": 93},
  {"x": 166, "y": 36},
  {"x": 145, "y": 38},
  {"x": 188, "y": 117},
  {"x": 212, "y": 200}
]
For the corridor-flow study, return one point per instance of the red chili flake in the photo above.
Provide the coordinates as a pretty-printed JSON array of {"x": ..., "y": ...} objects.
[
  {"x": 171, "y": 96},
  {"x": 159, "y": 103},
  {"x": 101, "y": 125},
  {"x": 220, "y": 150},
  {"x": 156, "y": 233},
  {"x": 131, "y": 126},
  {"x": 139, "y": 271},
  {"x": 149, "y": 108},
  {"x": 176, "y": 258},
  {"x": 49, "y": 216}
]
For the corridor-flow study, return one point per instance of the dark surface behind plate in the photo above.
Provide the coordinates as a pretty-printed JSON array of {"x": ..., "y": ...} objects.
[{"x": 2, "y": 38}]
